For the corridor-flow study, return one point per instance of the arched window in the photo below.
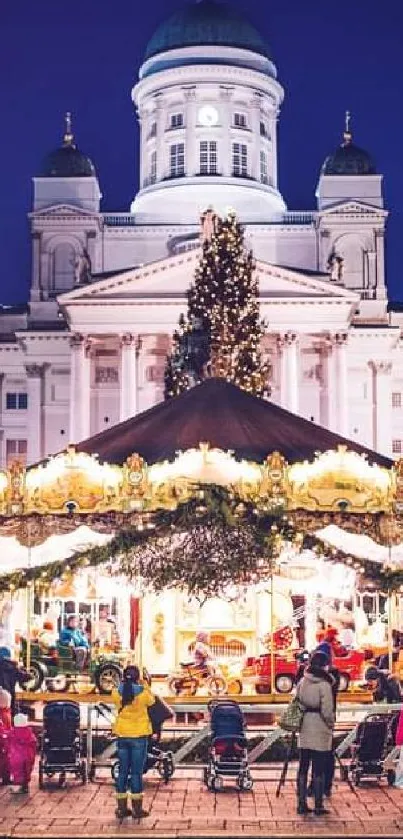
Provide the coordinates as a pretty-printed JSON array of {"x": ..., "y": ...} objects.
[{"x": 64, "y": 258}]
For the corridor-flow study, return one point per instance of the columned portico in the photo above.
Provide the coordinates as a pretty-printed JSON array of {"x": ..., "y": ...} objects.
[
  {"x": 80, "y": 388},
  {"x": 34, "y": 374},
  {"x": 289, "y": 380},
  {"x": 381, "y": 404},
  {"x": 128, "y": 376}
]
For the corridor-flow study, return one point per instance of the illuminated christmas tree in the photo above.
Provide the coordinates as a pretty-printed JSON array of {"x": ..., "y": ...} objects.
[{"x": 221, "y": 334}]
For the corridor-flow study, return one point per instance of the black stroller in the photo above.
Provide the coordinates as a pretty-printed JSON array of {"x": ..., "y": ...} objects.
[
  {"x": 61, "y": 743},
  {"x": 157, "y": 758},
  {"x": 375, "y": 738},
  {"x": 228, "y": 755}
]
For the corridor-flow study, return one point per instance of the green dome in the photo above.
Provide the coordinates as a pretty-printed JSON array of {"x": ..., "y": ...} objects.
[
  {"x": 67, "y": 161},
  {"x": 206, "y": 23},
  {"x": 348, "y": 159}
]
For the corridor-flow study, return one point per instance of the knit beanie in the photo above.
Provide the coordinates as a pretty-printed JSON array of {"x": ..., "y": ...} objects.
[
  {"x": 319, "y": 659},
  {"x": 5, "y": 652},
  {"x": 325, "y": 648}
]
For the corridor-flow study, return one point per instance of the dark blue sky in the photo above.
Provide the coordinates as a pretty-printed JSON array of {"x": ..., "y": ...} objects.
[{"x": 83, "y": 56}]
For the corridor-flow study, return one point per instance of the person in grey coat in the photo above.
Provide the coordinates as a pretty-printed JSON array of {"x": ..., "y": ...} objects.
[{"x": 315, "y": 695}]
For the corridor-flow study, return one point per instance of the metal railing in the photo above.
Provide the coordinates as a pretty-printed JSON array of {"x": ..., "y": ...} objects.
[{"x": 288, "y": 218}]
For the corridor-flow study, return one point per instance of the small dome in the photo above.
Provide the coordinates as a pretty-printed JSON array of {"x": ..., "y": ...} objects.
[
  {"x": 67, "y": 161},
  {"x": 348, "y": 159},
  {"x": 206, "y": 22}
]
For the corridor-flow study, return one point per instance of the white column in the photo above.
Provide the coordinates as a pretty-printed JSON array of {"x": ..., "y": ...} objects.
[
  {"x": 327, "y": 394},
  {"x": 340, "y": 372},
  {"x": 36, "y": 266},
  {"x": 289, "y": 381},
  {"x": 255, "y": 126},
  {"x": 191, "y": 146},
  {"x": 34, "y": 430},
  {"x": 160, "y": 139},
  {"x": 382, "y": 406},
  {"x": 80, "y": 388},
  {"x": 381, "y": 292},
  {"x": 225, "y": 148},
  {"x": 128, "y": 376}
]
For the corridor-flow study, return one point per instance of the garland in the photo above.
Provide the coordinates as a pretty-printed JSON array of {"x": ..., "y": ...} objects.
[{"x": 205, "y": 546}]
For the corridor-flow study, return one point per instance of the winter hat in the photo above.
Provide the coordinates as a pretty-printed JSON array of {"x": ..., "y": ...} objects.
[
  {"x": 325, "y": 648},
  {"x": 20, "y": 720},
  {"x": 5, "y": 652},
  {"x": 319, "y": 659},
  {"x": 5, "y": 698}
]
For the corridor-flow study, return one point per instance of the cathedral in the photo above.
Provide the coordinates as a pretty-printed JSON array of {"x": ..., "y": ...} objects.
[{"x": 107, "y": 289}]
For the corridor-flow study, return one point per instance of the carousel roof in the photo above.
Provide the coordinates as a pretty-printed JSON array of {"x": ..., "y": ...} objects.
[{"x": 224, "y": 416}]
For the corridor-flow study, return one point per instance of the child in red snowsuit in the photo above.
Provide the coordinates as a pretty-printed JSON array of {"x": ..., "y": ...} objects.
[
  {"x": 5, "y": 725},
  {"x": 21, "y": 751}
]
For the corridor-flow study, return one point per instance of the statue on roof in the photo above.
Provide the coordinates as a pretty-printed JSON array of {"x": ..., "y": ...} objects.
[
  {"x": 335, "y": 267},
  {"x": 82, "y": 268}
]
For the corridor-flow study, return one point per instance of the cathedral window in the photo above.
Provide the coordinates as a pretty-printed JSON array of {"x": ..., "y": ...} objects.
[
  {"x": 177, "y": 160},
  {"x": 208, "y": 157},
  {"x": 397, "y": 446},
  {"x": 176, "y": 120},
  {"x": 264, "y": 176},
  {"x": 16, "y": 401},
  {"x": 64, "y": 260},
  {"x": 16, "y": 450},
  {"x": 396, "y": 400},
  {"x": 240, "y": 160},
  {"x": 240, "y": 120},
  {"x": 153, "y": 167}
]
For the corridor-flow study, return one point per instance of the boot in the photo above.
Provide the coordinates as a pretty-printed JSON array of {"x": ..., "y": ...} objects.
[
  {"x": 318, "y": 785},
  {"x": 302, "y": 808},
  {"x": 122, "y": 810},
  {"x": 137, "y": 808}
]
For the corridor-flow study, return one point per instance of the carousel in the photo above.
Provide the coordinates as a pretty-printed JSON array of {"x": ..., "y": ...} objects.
[{"x": 216, "y": 512}]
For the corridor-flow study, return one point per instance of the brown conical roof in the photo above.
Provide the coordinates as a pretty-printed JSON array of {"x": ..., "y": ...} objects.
[{"x": 218, "y": 413}]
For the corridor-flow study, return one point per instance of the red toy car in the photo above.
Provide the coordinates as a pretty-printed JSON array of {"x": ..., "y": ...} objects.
[{"x": 350, "y": 667}]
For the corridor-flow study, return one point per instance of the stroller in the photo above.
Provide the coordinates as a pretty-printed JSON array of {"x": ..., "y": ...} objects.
[
  {"x": 61, "y": 743},
  {"x": 157, "y": 758},
  {"x": 375, "y": 738},
  {"x": 228, "y": 756}
]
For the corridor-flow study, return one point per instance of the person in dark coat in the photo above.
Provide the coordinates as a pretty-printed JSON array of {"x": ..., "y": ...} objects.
[
  {"x": 11, "y": 675},
  {"x": 387, "y": 687}
]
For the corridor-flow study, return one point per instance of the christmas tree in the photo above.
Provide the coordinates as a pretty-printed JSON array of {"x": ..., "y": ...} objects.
[{"x": 222, "y": 332}]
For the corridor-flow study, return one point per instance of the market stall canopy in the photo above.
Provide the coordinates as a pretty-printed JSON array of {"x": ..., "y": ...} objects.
[
  {"x": 13, "y": 555},
  {"x": 227, "y": 418}
]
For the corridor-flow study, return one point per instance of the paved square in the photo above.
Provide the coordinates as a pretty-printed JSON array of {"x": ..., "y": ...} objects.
[{"x": 186, "y": 808}]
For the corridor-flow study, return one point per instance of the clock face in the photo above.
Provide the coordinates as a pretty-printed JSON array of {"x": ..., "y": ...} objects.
[{"x": 208, "y": 115}]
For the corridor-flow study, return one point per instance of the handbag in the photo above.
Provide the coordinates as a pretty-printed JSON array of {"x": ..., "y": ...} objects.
[
  {"x": 291, "y": 719},
  {"x": 159, "y": 712}
]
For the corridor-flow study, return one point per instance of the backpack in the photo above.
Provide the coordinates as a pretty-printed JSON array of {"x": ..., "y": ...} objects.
[{"x": 291, "y": 719}]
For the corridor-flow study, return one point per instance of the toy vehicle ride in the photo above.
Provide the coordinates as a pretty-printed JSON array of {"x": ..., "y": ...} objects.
[
  {"x": 191, "y": 676},
  {"x": 350, "y": 666},
  {"x": 56, "y": 668}
]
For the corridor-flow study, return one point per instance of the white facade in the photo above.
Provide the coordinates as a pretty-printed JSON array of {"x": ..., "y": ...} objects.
[{"x": 89, "y": 351}]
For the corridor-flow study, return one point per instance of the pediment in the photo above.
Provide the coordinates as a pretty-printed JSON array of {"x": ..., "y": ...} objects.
[
  {"x": 62, "y": 210},
  {"x": 169, "y": 278},
  {"x": 353, "y": 208}
]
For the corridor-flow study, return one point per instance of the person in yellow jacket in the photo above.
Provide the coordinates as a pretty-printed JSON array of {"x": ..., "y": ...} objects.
[{"x": 133, "y": 728}]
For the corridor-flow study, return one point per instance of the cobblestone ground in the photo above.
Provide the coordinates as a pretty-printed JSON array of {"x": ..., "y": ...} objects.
[{"x": 185, "y": 808}]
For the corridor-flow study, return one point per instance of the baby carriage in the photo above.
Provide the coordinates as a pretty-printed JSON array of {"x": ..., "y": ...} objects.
[
  {"x": 61, "y": 743},
  {"x": 374, "y": 739},
  {"x": 228, "y": 756}
]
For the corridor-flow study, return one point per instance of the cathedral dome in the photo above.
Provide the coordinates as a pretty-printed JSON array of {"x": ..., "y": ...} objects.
[
  {"x": 67, "y": 161},
  {"x": 206, "y": 22},
  {"x": 349, "y": 159}
]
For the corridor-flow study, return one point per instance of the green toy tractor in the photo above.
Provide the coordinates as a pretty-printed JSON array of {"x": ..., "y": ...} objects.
[{"x": 56, "y": 668}]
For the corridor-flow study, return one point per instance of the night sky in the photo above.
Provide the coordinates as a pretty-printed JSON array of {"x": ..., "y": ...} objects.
[{"x": 83, "y": 56}]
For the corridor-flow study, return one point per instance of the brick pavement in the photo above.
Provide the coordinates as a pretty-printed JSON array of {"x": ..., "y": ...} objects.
[{"x": 184, "y": 808}]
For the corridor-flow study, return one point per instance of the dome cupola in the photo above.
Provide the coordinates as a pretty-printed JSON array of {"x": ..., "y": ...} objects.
[
  {"x": 67, "y": 161},
  {"x": 348, "y": 159},
  {"x": 206, "y": 22}
]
